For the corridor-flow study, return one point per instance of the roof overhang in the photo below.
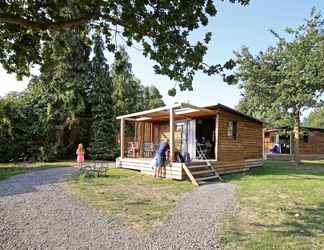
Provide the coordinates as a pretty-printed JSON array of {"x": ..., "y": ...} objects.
[{"x": 180, "y": 111}]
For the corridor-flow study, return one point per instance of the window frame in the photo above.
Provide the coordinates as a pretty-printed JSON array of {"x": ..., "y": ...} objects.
[{"x": 232, "y": 129}]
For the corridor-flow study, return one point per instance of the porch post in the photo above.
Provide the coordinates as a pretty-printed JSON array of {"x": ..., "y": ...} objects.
[
  {"x": 171, "y": 134},
  {"x": 122, "y": 139},
  {"x": 263, "y": 146},
  {"x": 216, "y": 137},
  {"x": 290, "y": 145}
]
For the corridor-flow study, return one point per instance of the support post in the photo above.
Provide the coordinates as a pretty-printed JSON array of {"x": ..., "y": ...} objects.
[
  {"x": 171, "y": 134},
  {"x": 122, "y": 137},
  {"x": 216, "y": 137},
  {"x": 264, "y": 157},
  {"x": 291, "y": 144}
]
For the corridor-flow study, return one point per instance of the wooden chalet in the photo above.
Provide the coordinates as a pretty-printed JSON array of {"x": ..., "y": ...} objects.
[
  {"x": 218, "y": 139},
  {"x": 278, "y": 143}
]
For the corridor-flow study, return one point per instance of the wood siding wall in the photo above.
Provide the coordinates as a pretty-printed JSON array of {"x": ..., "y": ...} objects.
[
  {"x": 315, "y": 144},
  {"x": 247, "y": 145},
  {"x": 248, "y": 142}
]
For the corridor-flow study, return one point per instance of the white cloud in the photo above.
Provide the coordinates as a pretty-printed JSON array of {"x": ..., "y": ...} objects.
[{"x": 8, "y": 83}]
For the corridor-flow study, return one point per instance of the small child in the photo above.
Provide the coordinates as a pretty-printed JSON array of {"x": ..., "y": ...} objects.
[{"x": 80, "y": 154}]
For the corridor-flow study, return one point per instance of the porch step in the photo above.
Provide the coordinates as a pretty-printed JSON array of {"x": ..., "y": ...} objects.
[
  {"x": 209, "y": 171},
  {"x": 207, "y": 178},
  {"x": 201, "y": 172},
  {"x": 197, "y": 166}
]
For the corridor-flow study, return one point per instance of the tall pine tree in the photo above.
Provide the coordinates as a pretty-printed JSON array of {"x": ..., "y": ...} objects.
[
  {"x": 103, "y": 140},
  {"x": 60, "y": 93}
]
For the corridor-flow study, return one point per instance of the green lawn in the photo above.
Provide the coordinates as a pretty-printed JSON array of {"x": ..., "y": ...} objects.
[
  {"x": 138, "y": 200},
  {"x": 280, "y": 207},
  {"x": 11, "y": 169}
]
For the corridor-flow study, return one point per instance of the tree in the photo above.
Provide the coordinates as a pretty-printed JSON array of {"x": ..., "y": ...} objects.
[
  {"x": 315, "y": 118},
  {"x": 103, "y": 142},
  {"x": 162, "y": 28},
  {"x": 125, "y": 86},
  {"x": 152, "y": 98},
  {"x": 287, "y": 78},
  {"x": 279, "y": 118},
  {"x": 63, "y": 86},
  {"x": 12, "y": 137}
]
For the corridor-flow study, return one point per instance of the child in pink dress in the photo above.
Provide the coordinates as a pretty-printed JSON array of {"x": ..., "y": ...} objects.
[{"x": 80, "y": 155}]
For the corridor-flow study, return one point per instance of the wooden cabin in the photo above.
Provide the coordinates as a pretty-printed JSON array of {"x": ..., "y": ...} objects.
[
  {"x": 278, "y": 144},
  {"x": 217, "y": 138}
]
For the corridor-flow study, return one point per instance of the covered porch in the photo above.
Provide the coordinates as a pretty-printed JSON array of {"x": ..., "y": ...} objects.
[
  {"x": 189, "y": 129},
  {"x": 178, "y": 123},
  {"x": 193, "y": 132}
]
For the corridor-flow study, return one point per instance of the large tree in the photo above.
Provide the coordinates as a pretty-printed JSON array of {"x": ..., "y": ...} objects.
[
  {"x": 63, "y": 86},
  {"x": 162, "y": 28},
  {"x": 103, "y": 142},
  {"x": 278, "y": 118},
  {"x": 126, "y": 86},
  {"x": 287, "y": 78}
]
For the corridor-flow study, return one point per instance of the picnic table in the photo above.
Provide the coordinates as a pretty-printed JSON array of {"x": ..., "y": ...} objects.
[{"x": 99, "y": 168}]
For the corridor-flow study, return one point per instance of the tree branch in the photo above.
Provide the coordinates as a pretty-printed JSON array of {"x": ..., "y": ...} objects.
[{"x": 38, "y": 26}]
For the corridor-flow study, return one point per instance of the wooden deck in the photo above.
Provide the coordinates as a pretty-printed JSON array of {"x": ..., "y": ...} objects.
[
  {"x": 287, "y": 157},
  {"x": 179, "y": 171}
]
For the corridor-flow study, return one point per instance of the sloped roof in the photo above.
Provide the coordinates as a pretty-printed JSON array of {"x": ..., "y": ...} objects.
[
  {"x": 233, "y": 111},
  {"x": 181, "y": 111}
]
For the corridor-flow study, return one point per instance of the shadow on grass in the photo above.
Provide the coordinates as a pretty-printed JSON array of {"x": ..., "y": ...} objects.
[
  {"x": 303, "y": 221},
  {"x": 300, "y": 222},
  {"x": 281, "y": 168}
]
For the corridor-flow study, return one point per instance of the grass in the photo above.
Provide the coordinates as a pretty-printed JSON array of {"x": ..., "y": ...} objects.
[
  {"x": 139, "y": 201},
  {"x": 280, "y": 207},
  {"x": 10, "y": 169}
]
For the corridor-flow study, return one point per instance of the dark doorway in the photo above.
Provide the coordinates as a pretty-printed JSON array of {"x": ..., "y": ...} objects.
[
  {"x": 284, "y": 143},
  {"x": 205, "y": 135}
]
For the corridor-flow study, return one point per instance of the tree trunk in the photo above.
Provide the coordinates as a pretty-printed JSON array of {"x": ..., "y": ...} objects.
[{"x": 296, "y": 130}]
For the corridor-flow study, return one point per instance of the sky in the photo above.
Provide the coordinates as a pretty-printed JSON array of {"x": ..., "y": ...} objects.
[{"x": 233, "y": 27}]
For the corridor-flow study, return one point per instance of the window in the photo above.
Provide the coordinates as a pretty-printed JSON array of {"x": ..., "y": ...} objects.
[
  {"x": 273, "y": 138},
  {"x": 232, "y": 129}
]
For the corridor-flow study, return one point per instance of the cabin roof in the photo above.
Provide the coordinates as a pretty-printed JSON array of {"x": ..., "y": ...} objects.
[
  {"x": 233, "y": 111},
  {"x": 181, "y": 111},
  {"x": 289, "y": 128}
]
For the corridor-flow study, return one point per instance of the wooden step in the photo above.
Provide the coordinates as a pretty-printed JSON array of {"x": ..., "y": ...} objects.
[
  {"x": 197, "y": 166},
  {"x": 200, "y": 172},
  {"x": 201, "y": 162},
  {"x": 207, "y": 178},
  {"x": 209, "y": 171}
]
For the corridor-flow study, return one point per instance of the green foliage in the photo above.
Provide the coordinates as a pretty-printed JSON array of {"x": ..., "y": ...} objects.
[
  {"x": 162, "y": 29},
  {"x": 64, "y": 86},
  {"x": 286, "y": 79},
  {"x": 72, "y": 101},
  {"x": 271, "y": 119},
  {"x": 315, "y": 119},
  {"x": 103, "y": 137},
  {"x": 129, "y": 94},
  {"x": 126, "y": 86}
]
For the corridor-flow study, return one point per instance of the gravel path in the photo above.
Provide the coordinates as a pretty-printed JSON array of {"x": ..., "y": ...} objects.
[
  {"x": 35, "y": 214},
  {"x": 193, "y": 223}
]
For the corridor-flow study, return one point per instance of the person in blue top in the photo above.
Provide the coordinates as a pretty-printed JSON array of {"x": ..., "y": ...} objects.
[{"x": 161, "y": 156}]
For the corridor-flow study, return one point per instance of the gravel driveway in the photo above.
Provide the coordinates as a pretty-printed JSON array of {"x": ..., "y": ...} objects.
[{"x": 35, "y": 214}]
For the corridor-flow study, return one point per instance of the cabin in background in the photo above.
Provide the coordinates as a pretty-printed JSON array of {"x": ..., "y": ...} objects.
[
  {"x": 277, "y": 143},
  {"x": 217, "y": 138}
]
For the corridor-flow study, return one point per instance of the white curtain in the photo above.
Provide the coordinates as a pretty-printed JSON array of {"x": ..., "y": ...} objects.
[{"x": 191, "y": 138}]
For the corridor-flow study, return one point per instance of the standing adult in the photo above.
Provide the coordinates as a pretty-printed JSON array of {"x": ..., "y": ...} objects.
[{"x": 161, "y": 157}]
